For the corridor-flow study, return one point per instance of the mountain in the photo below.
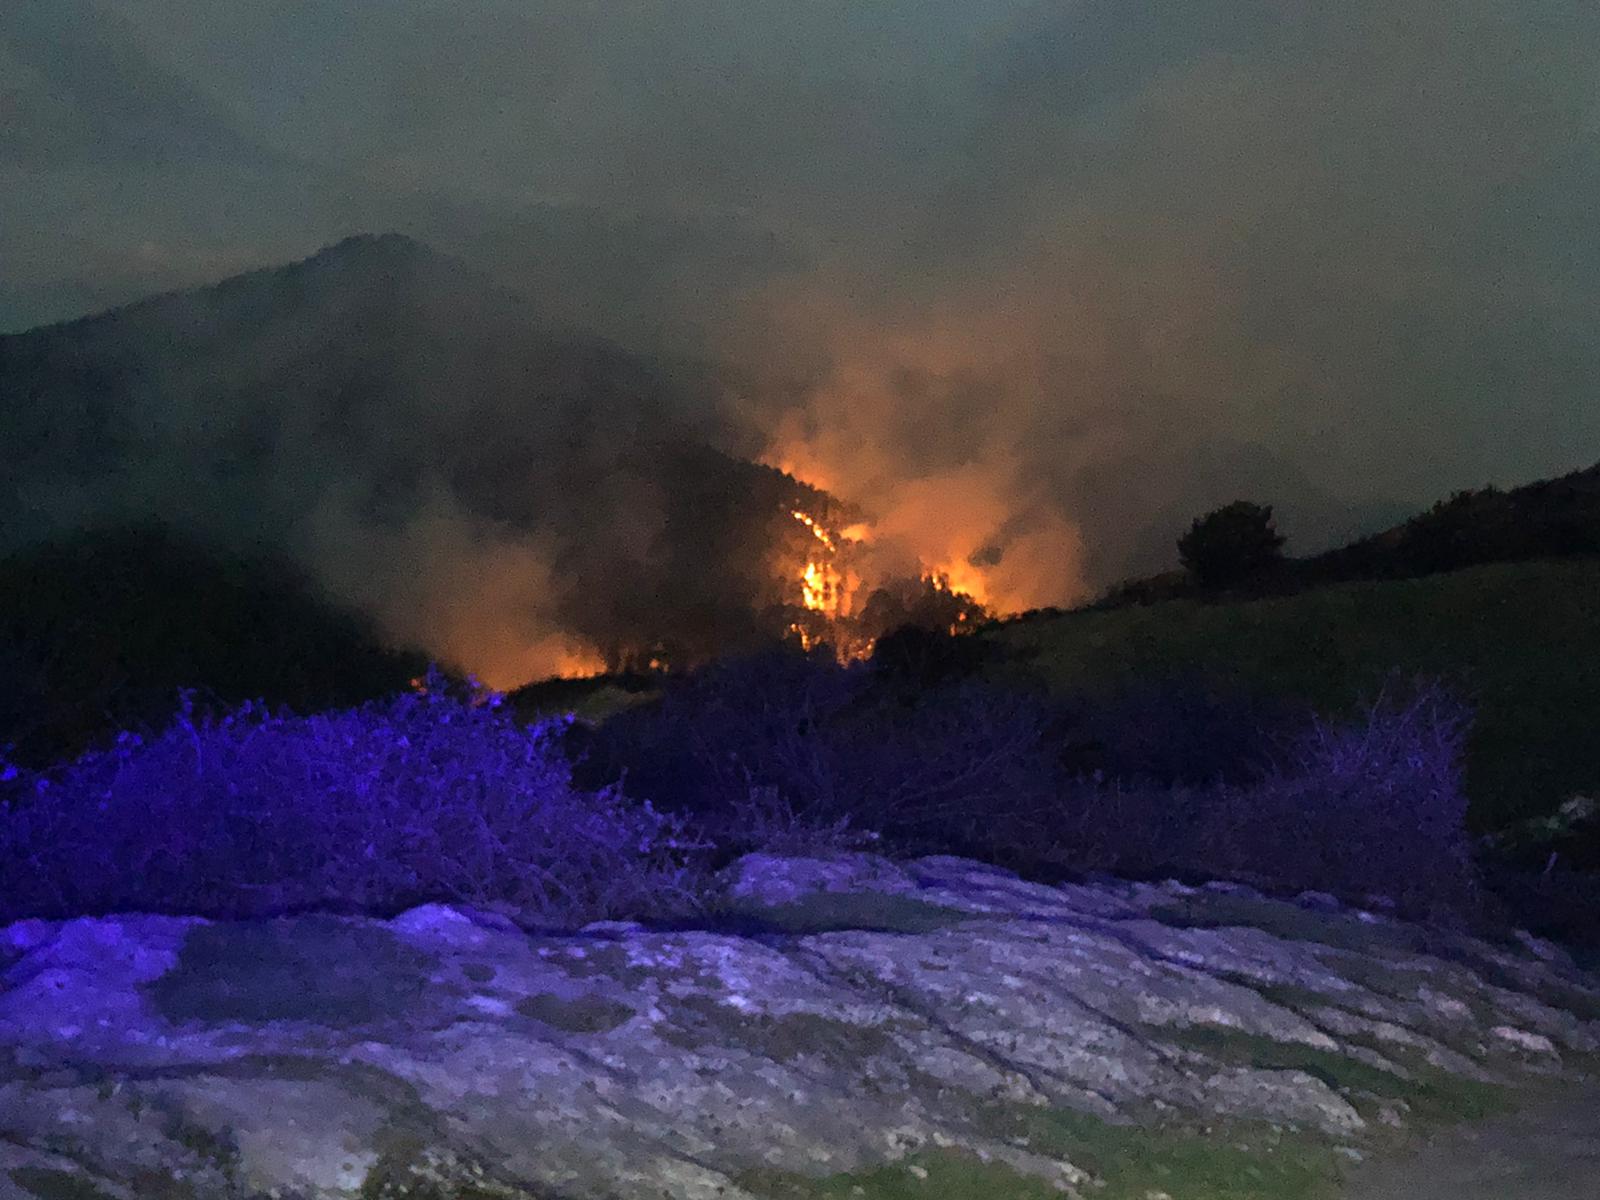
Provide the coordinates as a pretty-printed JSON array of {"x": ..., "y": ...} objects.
[{"x": 409, "y": 432}]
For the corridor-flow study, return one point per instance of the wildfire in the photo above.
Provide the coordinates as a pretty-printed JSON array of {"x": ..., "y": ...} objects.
[
  {"x": 817, "y": 531},
  {"x": 829, "y": 579},
  {"x": 820, "y": 588},
  {"x": 825, "y": 588}
]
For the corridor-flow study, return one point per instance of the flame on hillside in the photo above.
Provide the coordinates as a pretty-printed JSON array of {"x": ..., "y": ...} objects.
[
  {"x": 925, "y": 417},
  {"x": 847, "y": 600}
]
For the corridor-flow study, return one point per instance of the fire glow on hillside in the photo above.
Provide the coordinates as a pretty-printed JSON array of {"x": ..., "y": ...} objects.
[{"x": 839, "y": 610}]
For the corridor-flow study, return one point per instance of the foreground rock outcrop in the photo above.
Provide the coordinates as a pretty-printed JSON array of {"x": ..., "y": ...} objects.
[{"x": 841, "y": 1026}]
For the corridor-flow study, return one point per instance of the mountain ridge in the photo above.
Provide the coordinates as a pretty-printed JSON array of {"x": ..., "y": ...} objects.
[{"x": 405, "y": 427}]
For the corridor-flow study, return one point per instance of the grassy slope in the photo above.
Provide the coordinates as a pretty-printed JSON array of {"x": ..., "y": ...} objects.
[{"x": 1523, "y": 640}]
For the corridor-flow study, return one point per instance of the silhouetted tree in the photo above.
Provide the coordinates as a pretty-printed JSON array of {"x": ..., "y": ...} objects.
[{"x": 1231, "y": 544}]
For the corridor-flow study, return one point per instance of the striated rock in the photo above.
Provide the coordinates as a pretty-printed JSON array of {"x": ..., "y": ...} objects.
[{"x": 832, "y": 1016}]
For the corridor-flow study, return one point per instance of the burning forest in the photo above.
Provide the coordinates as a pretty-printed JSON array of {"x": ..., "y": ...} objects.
[{"x": 845, "y": 606}]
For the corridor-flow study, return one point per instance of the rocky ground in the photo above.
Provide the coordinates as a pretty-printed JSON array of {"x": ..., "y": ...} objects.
[{"x": 842, "y": 1027}]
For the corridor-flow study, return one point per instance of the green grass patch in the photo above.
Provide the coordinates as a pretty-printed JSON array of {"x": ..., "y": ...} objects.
[
  {"x": 1433, "y": 1097},
  {"x": 1290, "y": 995},
  {"x": 1239, "y": 1048},
  {"x": 1211, "y": 910},
  {"x": 47, "y": 1184},
  {"x": 1226, "y": 1161},
  {"x": 585, "y": 1014},
  {"x": 1523, "y": 639},
  {"x": 934, "y": 1175},
  {"x": 700, "y": 1021},
  {"x": 1390, "y": 979}
]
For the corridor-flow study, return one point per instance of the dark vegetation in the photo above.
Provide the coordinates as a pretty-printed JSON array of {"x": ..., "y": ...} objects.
[
  {"x": 445, "y": 796},
  {"x": 99, "y": 631},
  {"x": 1231, "y": 546},
  {"x": 1548, "y": 519},
  {"x": 1519, "y": 641},
  {"x": 419, "y": 797},
  {"x": 1169, "y": 778},
  {"x": 1323, "y": 741}
]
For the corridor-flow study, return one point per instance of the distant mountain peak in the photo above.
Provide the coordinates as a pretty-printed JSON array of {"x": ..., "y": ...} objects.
[
  {"x": 384, "y": 254},
  {"x": 369, "y": 246}
]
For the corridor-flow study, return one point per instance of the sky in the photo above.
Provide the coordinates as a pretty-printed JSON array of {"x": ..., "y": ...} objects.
[{"x": 1033, "y": 282}]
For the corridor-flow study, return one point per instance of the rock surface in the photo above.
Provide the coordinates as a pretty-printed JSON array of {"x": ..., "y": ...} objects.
[{"x": 833, "y": 1016}]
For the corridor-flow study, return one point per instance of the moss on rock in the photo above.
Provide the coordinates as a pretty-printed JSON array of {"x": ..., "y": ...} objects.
[
  {"x": 48, "y": 1184},
  {"x": 583, "y": 1014},
  {"x": 319, "y": 969}
]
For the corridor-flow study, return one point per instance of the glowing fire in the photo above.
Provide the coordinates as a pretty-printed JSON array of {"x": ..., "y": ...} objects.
[
  {"x": 824, "y": 588},
  {"x": 820, "y": 588},
  {"x": 579, "y": 662},
  {"x": 817, "y": 531},
  {"x": 830, "y": 581}
]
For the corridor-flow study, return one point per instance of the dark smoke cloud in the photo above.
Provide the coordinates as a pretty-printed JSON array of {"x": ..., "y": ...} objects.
[{"x": 1034, "y": 282}]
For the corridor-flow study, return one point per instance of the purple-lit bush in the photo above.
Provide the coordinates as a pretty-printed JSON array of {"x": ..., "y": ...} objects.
[
  {"x": 834, "y": 748},
  {"x": 438, "y": 797},
  {"x": 1176, "y": 778},
  {"x": 423, "y": 797},
  {"x": 1369, "y": 806},
  {"x": 1184, "y": 729}
]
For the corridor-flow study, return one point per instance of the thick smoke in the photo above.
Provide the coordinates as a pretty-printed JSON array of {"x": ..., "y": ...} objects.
[{"x": 1032, "y": 283}]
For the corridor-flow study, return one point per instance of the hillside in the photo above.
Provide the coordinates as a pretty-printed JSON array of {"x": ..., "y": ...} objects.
[
  {"x": 1548, "y": 518},
  {"x": 404, "y": 429},
  {"x": 1522, "y": 640},
  {"x": 100, "y": 630}
]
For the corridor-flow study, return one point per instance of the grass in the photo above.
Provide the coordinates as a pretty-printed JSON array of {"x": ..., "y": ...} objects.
[
  {"x": 1246, "y": 1162},
  {"x": 1522, "y": 639},
  {"x": 1289, "y": 922},
  {"x": 938, "y": 1175},
  {"x": 585, "y": 1014},
  {"x": 1432, "y": 1097},
  {"x": 49, "y": 1184},
  {"x": 700, "y": 1021},
  {"x": 1237, "y": 1161}
]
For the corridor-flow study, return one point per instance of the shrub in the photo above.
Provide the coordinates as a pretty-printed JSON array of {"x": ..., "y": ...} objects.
[
  {"x": 1367, "y": 807},
  {"x": 1187, "y": 776},
  {"x": 1377, "y": 805},
  {"x": 717, "y": 733},
  {"x": 375, "y": 808},
  {"x": 936, "y": 769},
  {"x": 916, "y": 657},
  {"x": 1231, "y": 545},
  {"x": 1183, "y": 728},
  {"x": 1454, "y": 533}
]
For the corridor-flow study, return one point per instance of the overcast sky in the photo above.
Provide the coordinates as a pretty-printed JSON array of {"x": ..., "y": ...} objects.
[{"x": 1084, "y": 264}]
